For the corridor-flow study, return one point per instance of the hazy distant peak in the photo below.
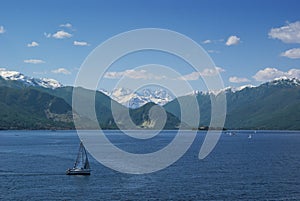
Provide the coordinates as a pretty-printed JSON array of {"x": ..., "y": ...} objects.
[{"x": 137, "y": 99}]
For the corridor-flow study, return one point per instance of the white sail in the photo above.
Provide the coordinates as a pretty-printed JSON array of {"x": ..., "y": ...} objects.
[{"x": 81, "y": 165}]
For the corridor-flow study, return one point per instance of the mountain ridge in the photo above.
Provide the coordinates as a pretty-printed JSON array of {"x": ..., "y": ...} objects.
[
  {"x": 127, "y": 97},
  {"x": 271, "y": 105},
  {"x": 32, "y": 109},
  {"x": 18, "y": 79},
  {"x": 136, "y": 99}
]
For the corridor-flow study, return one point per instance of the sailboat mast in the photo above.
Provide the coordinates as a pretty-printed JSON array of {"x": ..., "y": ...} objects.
[
  {"x": 79, "y": 156},
  {"x": 86, "y": 162}
]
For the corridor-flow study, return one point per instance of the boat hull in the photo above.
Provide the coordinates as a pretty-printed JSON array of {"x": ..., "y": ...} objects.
[{"x": 78, "y": 172}]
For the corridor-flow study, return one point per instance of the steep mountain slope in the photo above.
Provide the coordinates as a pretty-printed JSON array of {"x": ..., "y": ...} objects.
[
  {"x": 203, "y": 102},
  {"x": 106, "y": 117},
  {"x": 102, "y": 103},
  {"x": 32, "y": 109},
  {"x": 142, "y": 117},
  {"x": 17, "y": 86},
  {"x": 273, "y": 105}
]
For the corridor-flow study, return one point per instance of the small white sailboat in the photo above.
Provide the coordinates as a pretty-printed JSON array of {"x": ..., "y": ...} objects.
[
  {"x": 250, "y": 135},
  {"x": 82, "y": 165},
  {"x": 231, "y": 133}
]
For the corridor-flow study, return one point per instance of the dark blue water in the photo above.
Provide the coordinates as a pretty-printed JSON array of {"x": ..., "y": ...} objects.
[{"x": 266, "y": 167}]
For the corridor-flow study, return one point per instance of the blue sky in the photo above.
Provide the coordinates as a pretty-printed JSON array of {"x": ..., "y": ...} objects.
[{"x": 250, "y": 41}]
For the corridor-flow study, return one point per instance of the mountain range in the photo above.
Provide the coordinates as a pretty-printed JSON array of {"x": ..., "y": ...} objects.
[
  {"x": 31, "y": 103},
  {"x": 17, "y": 79},
  {"x": 272, "y": 105},
  {"x": 136, "y": 99},
  {"x": 27, "y": 104}
]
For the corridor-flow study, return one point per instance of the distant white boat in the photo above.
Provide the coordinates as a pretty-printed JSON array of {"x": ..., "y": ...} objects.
[
  {"x": 249, "y": 136},
  {"x": 82, "y": 165},
  {"x": 231, "y": 133}
]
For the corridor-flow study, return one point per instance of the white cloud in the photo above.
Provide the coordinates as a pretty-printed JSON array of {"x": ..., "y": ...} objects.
[
  {"x": 235, "y": 79},
  {"x": 212, "y": 71},
  {"x": 143, "y": 74},
  {"x": 40, "y": 73},
  {"x": 287, "y": 34},
  {"x": 292, "y": 53},
  {"x": 215, "y": 41},
  {"x": 268, "y": 74},
  {"x": 34, "y": 61},
  {"x": 32, "y": 44},
  {"x": 207, "y": 72},
  {"x": 61, "y": 71},
  {"x": 191, "y": 76},
  {"x": 133, "y": 74},
  {"x": 2, "y": 30},
  {"x": 61, "y": 34},
  {"x": 80, "y": 43},
  {"x": 206, "y": 41},
  {"x": 47, "y": 35},
  {"x": 114, "y": 75},
  {"x": 232, "y": 40},
  {"x": 68, "y": 25}
]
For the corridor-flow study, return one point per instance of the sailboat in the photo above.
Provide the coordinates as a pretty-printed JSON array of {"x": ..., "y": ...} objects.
[
  {"x": 81, "y": 166},
  {"x": 250, "y": 136}
]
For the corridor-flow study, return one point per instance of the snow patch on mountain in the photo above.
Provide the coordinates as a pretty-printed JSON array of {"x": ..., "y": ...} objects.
[
  {"x": 136, "y": 99},
  {"x": 225, "y": 90},
  {"x": 240, "y": 88},
  {"x": 29, "y": 81},
  {"x": 285, "y": 81}
]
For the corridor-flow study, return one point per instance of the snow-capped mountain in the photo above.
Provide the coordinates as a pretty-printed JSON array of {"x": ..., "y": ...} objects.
[
  {"x": 234, "y": 89},
  {"x": 160, "y": 96},
  {"x": 28, "y": 81},
  {"x": 285, "y": 82},
  {"x": 226, "y": 89},
  {"x": 136, "y": 99}
]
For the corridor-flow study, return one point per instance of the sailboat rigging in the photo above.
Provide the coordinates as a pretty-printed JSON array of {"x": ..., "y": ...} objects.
[{"x": 82, "y": 165}]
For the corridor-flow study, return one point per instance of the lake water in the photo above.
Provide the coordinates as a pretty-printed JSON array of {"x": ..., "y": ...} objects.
[{"x": 266, "y": 167}]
